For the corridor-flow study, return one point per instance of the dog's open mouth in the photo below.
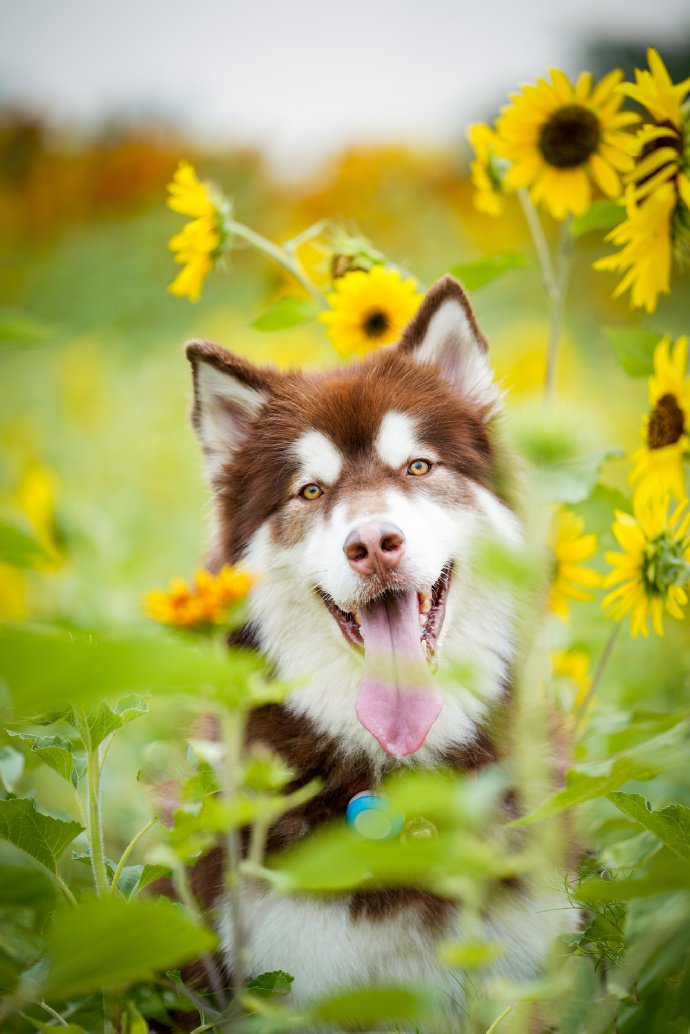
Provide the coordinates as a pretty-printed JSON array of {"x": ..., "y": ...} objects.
[
  {"x": 431, "y": 609},
  {"x": 398, "y": 632}
]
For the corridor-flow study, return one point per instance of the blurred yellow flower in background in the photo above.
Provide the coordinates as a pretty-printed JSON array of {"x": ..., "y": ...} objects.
[
  {"x": 205, "y": 602},
  {"x": 569, "y": 548},
  {"x": 658, "y": 465},
  {"x": 650, "y": 575},
  {"x": 560, "y": 137},
  {"x": 573, "y": 665},
  {"x": 484, "y": 172},
  {"x": 657, "y": 223},
  {"x": 368, "y": 310},
  {"x": 197, "y": 246}
]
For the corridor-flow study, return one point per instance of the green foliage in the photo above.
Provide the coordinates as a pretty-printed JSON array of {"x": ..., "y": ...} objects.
[
  {"x": 19, "y": 546},
  {"x": 112, "y": 943},
  {"x": 287, "y": 312},
  {"x": 671, "y": 825},
  {"x": 375, "y": 1005},
  {"x": 473, "y": 275},
  {"x": 634, "y": 349},
  {"x": 40, "y": 836},
  {"x": 601, "y": 215}
]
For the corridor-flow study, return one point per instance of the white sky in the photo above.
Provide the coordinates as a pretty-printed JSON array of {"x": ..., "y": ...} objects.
[{"x": 303, "y": 77}]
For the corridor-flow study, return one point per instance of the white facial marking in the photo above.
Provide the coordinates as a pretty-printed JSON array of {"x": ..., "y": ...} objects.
[
  {"x": 397, "y": 441},
  {"x": 318, "y": 457}
]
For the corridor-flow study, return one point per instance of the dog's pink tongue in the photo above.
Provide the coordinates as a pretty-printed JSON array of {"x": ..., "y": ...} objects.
[{"x": 397, "y": 700}]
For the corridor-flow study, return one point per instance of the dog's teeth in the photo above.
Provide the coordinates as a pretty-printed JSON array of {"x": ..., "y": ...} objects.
[
  {"x": 425, "y": 606},
  {"x": 358, "y": 618},
  {"x": 422, "y": 619},
  {"x": 423, "y": 596}
]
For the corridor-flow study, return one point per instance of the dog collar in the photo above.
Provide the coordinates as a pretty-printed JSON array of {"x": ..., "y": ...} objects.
[{"x": 371, "y": 815}]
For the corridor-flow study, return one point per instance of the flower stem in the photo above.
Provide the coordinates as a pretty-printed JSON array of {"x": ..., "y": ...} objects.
[
  {"x": 127, "y": 852},
  {"x": 554, "y": 277},
  {"x": 94, "y": 824},
  {"x": 232, "y": 724},
  {"x": 494, "y": 1025},
  {"x": 597, "y": 677},
  {"x": 284, "y": 258}
]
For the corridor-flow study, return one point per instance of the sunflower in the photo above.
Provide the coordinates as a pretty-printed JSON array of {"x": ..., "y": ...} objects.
[
  {"x": 484, "y": 170},
  {"x": 569, "y": 547},
  {"x": 658, "y": 465},
  {"x": 657, "y": 224},
  {"x": 559, "y": 137},
  {"x": 368, "y": 310},
  {"x": 650, "y": 575},
  {"x": 199, "y": 244},
  {"x": 206, "y": 602}
]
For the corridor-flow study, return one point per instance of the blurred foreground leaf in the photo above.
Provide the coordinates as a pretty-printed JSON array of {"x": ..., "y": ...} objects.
[
  {"x": 671, "y": 825},
  {"x": 111, "y": 942},
  {"x": 571, "y": 480},
  {"x": 601, "y": 215},
  {"x": 47, "y": 669},
  {"x": 664, "y": 875},
  {"x": 288, "y": 312},
  {"x": 581, "y": 787},
  {"x": 367, "y": 1006},
  {"x": 21, "y": 328},
  {"x": 634, "y": 349},
  {"x": 474, "y": 275},
  {"x": 19, "y": 547},
  {"x": 40, "y": 836}
]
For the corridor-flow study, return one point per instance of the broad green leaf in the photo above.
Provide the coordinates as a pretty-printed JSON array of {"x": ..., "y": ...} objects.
[
  {"x": 474, "y": 275},
  {"x": 19, "y": 546},
  {"x": 671, "y": 825},
  {"x": 47, "y": 669},
  {"x": 367, "y": 1006},
  {"x": 571, "y": 480},
  {"x": 21, "y": 887},
  {"x": 54, "y": 751},
  {"x": 95, "y": 723},
  {"x": 497, "y": 562},
  {"x": 634, "y": 349},
  {"x": 581, "y": 787},
  {"x": 135, "y": 878},
  {"x": 40, "y": 836},
  {"x": 470, "y": 954},
  {"x": 601, "y": 215},
  {"x": 664, "y": 875},
  {"x": 130, "y": 708},
  {"x": 11, "y": 767},
  {"x": 64, "y": 1028},
  {"x": 111, "y": 942},
  {"x": 288, "y": 312},
  {"x": 275, "y": 983}
]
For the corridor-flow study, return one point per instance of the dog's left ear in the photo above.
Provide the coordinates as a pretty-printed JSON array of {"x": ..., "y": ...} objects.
[{"x": 445, "y": 333}]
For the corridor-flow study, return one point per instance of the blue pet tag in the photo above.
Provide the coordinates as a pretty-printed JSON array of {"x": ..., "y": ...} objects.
[{"x": 372, "y": 817}]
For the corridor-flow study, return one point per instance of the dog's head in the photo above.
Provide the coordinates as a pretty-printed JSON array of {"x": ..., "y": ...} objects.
[{"x": 357, "y": 495}]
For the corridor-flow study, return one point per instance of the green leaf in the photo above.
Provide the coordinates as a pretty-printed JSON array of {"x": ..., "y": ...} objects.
[
  {"x": 46, "y": 669},
  {"x": 571, "y": 480},
  {"x": 111, "y": 943},
  {"x": 581, "y": 787},
  {"x": 367, "y": 1006},
  {"x": 51, "y": 1028},
  {"x": 671, "y": 825},
  {"x": 634, "y": 349},
  {"x": 19, "y": 546},
  {"x": 474, "y": 275},
  {"x": 22, "y": 887},
  {"x": 134, "y": 878},
  {"x": 130, "y": 708},
  {"x": 275, "y": 983},
  {"x": 95, "y": 723},
  {"x": 11, "y": 767},
  {"x": 42, "y": 837},
  {"x": 664, "y": 875},
  {"x": 601, "y": 215},
  {"x": 53, "y": 751},
  {"x": 470, "y": 954},
  {"x": 287, "y": 312}
]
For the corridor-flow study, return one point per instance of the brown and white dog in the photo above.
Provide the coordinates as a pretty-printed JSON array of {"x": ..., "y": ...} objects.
[{"x": 358, "y": 493}]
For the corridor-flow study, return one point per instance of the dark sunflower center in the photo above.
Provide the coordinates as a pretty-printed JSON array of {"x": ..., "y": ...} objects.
[
  {"x": 569, "y": 136},
  {"x": 666, "y": 423},
  {"x": 376, "y": 323}
]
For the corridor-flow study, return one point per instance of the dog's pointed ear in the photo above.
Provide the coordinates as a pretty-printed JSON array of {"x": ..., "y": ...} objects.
[
  {"x": 445, "y": 333},
  {"x": 229, "y": 394}
]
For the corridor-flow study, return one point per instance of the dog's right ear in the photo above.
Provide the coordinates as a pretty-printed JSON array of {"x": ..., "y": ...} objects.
[{"x": 229, "y": 394}]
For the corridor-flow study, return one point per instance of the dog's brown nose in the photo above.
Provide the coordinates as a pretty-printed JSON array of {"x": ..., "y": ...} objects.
[{"x": 374, "y": 548}]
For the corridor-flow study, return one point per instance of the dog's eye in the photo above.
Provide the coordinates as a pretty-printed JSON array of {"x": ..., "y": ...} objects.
[
  {"x": 419, "y": 467},
  {"x": 311, "y": 492}
]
